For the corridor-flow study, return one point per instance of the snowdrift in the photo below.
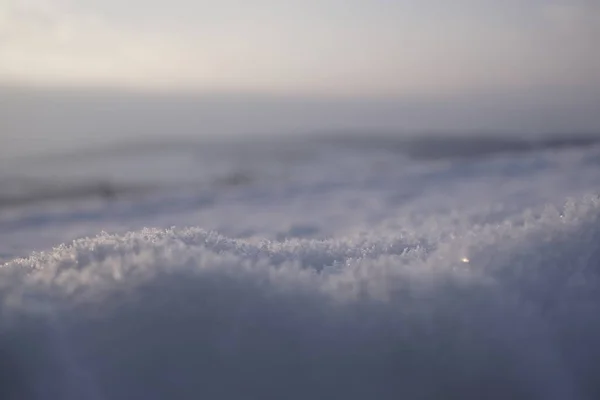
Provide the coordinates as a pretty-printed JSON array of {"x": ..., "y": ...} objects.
[{"x": 499, "y": 310}]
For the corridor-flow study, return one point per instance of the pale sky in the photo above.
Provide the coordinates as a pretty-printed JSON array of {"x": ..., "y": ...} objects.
[{"x": 405, "y": 48}]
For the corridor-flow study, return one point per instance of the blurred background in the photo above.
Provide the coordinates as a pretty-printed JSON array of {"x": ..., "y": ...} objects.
[{"x": 230, "y": 115}]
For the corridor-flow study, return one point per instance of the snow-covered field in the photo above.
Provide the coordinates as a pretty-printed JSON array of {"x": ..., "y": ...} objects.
[{"x": 348, "y": 268}]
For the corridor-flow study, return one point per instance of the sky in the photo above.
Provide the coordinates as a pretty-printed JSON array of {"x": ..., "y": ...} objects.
[
  {"x": 75, "y": 72},
  {"x": 347, "y": 48}
]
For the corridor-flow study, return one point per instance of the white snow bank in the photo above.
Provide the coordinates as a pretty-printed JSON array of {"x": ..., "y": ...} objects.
[{"x": 189, "y": 314}]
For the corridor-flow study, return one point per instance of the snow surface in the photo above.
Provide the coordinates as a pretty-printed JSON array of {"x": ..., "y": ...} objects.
[{"x": 341, "y": 273}]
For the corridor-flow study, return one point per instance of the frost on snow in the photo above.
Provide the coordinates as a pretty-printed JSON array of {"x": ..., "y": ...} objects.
[{"x": 501, "y": 309}]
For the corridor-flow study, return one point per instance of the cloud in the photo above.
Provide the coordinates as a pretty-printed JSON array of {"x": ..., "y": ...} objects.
[
  {"x": 47, "y": 45},
  {"x": 573, "y": 16},
  {"x": 292, "y": 49}
]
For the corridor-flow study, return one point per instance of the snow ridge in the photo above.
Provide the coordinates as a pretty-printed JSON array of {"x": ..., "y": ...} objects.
[{"x": 502, "y": 310}]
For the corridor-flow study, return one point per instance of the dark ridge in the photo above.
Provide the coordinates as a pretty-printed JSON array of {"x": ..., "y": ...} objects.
[
  {"x": 24, "y": 191},
  {"x": 443, "y": 147},
  {"x": 234, "y": 179},
  {"x": 416, "y": 146},
  {"x": 99, "y": 190}
]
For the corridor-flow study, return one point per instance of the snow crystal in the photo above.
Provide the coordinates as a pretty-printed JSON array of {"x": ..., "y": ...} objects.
[{"x": 190, "y": 313}]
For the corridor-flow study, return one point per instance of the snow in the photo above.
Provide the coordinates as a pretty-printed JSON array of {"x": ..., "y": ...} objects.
[{"x": 347, "y": 274}]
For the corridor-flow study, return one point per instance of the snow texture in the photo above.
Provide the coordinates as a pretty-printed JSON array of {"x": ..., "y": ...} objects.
[
  {"x": 189, "y": 313},
  {"x": 350, "y": 275}
]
